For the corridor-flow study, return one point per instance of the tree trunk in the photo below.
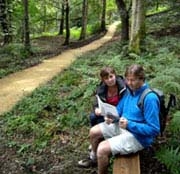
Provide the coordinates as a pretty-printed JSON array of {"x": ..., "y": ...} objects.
[
  {"x": 4, "y": 12},
  {"x": 124, "y": 14},
  {"x": 103, "y": 17},
  {"x": 84, "y": 19},
  {"x": 137, "y": 25},
  {"x": 67, "y": 23},
  {"x": 61, "y": 28},
  {"x": 26, "y": 27},
  {"x": 44, "y": 18}
]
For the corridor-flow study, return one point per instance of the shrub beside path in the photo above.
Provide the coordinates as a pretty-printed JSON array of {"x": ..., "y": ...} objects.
[{"x": 14, "y": 86}]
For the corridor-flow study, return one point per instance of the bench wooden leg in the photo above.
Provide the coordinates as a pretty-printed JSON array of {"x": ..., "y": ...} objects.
[{"x": 126, "y": 164}]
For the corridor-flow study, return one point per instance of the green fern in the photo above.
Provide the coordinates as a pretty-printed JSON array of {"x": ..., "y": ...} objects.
[
  {"x": 160, "y": 80},
  {"x": 25, "y": 124},
  {"x": 175, "y": 72},
  {"x": 172, "y": 87},
  {"x": 175, "y": 122},
  {"x": 171, "y": 158}
]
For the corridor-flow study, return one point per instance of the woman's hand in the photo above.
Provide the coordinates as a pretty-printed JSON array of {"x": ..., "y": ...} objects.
[{"x": 97, "y": 111}]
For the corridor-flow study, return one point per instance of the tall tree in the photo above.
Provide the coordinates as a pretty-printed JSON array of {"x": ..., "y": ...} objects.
[
  {"x": 124, "y": 14},
  {"x": 44, "y": 16},
  {"x": 27, "y": 44},
  {"x": 61, "y": 28},
  {"x": 103, "y": 17},
  {"x": 5, "y": 23},
  {"x": 84, "y": 19},
  {"x": 66, "y": 2},
  {"x": 137, "y": 25}
]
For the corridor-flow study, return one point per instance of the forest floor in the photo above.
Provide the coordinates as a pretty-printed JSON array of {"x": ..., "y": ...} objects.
[
  {"x": 46, "y": 162},
  {"x": 56, "y": 58}
]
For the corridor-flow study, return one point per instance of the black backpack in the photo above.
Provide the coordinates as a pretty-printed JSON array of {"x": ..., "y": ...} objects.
[{"x": 164, "y": 110}]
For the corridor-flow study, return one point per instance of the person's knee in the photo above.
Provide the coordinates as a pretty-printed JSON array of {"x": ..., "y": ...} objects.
[
  {"x": 95, "y": 132},
  {"x": 103, "y": 149}
]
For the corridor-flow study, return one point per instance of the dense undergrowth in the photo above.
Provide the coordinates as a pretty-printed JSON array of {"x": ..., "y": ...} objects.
[{"x": 47, "y": 131}]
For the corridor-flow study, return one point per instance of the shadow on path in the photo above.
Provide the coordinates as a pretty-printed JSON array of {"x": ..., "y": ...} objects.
[{"x": 14, "y": 86}]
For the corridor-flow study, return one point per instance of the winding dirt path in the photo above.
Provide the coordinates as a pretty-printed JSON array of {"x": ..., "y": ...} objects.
[{"x": 17, "y": 85}]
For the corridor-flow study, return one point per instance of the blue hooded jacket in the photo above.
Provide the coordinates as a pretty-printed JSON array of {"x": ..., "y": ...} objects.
[{"x": 143, "y": 125}]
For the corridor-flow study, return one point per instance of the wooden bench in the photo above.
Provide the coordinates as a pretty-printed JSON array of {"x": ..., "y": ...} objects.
[{"x": 126, "y": 164}]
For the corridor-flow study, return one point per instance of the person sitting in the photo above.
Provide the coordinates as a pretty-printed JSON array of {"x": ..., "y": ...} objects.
[
  {"x": 135, "y": 129},
  {"x": 110, "y": 90}
]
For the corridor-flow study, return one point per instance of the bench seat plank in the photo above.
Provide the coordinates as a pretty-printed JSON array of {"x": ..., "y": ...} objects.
[{"x": 126, "y": 164}]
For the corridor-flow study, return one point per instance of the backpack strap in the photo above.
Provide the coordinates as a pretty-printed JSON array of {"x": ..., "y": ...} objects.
[
  {"x": 171, "y": 102},
  {"x": 142, "y": 97}
]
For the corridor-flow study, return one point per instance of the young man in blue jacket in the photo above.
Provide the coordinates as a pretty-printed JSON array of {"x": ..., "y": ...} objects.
[{"x": 134, "y": 131}]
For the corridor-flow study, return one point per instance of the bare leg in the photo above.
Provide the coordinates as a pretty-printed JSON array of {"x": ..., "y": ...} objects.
[
  {"x": 103, "y": 154},
  {"x": 95, "y": 137}
]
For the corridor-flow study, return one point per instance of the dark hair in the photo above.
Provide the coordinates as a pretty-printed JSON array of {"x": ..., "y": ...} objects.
[
  {"x": 136, "y": 70},
  {"x": 106, "y": 71}
]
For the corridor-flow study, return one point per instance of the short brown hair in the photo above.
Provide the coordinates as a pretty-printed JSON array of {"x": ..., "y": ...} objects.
[
  {"x": 106, "y": 71},
  {"x": 136, "y": 70}
]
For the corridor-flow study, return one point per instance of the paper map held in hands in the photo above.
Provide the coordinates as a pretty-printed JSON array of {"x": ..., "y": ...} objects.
[{"x": 107, "y": 109}]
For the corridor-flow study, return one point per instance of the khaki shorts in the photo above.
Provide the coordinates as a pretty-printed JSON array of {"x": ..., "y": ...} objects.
[{"x": 121, "y": 141}]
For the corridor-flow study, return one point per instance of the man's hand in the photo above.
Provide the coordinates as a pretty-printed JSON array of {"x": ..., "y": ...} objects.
[
  {"x": 108, "y": 120},
  {"x": 123, "y": 122}
]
